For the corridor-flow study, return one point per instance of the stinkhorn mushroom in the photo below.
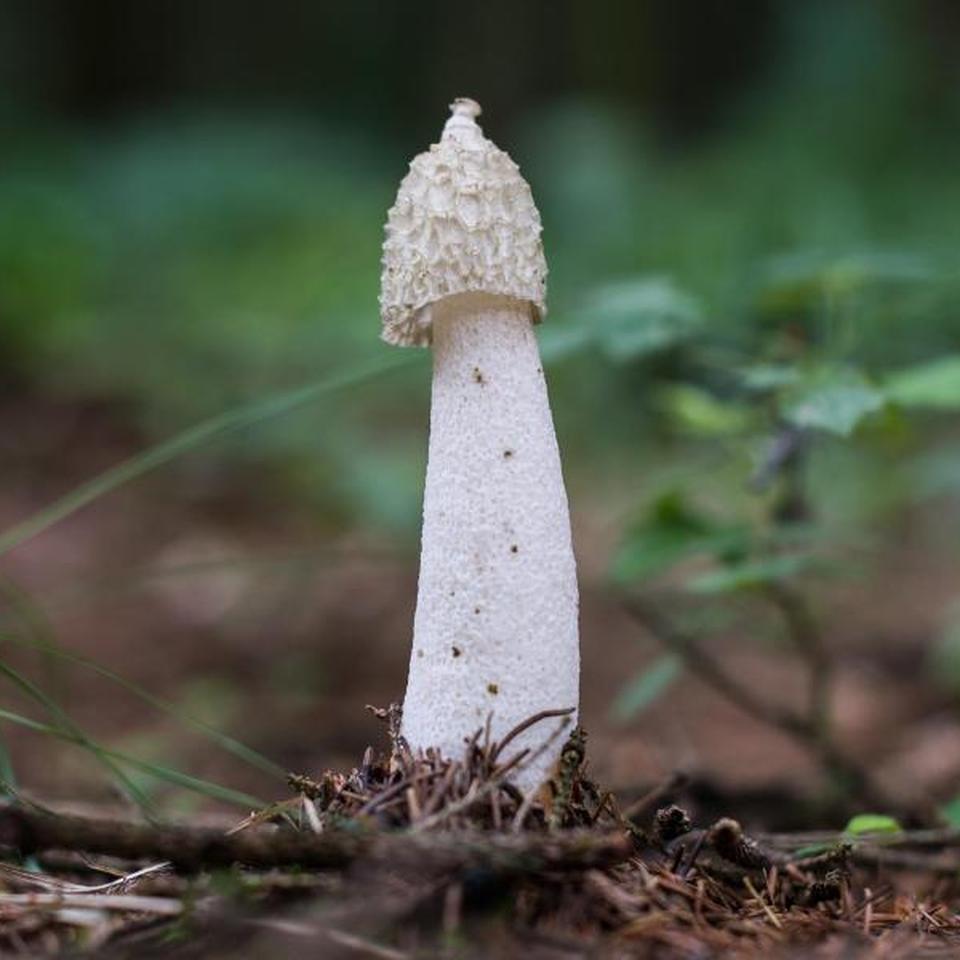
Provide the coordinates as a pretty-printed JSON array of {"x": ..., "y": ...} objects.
[{"x": 495, "y": 635}]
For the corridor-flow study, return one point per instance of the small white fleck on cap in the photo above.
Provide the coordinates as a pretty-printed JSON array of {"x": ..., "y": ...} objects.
[{"x": 464, "y": 221}]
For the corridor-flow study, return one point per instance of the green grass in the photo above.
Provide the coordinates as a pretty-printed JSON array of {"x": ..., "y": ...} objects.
[
  {"x": 192, "y": 438},
  {"x": 160, "y": 772},
  {"x": 63, "y": 727}
]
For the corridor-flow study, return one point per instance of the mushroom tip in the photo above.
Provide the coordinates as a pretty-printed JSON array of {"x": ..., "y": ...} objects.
[
  {"x": 462, "y": 123},
  {"x": 464, "y": 222},
  {"x": 465, "y": 107}
]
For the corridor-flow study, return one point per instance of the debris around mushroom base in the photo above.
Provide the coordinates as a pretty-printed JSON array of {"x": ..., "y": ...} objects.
[{"x": 434, "y": 847}]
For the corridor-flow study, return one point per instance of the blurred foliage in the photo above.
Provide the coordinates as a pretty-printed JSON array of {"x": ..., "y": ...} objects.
[
  {"x": 646, "y": 687},
  {"x": 795, "y": 259},
  {"x": 757, "y": 324},
  {"x": 794, "y": 269}
]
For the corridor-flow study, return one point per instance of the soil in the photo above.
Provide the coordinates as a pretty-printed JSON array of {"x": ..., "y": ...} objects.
[{"x": 277, "y": 627}]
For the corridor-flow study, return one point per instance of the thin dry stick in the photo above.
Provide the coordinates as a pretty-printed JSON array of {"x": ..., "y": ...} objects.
[
  {"x": 312, "y": 817},
  {"x": 120, "y": 885},
  {"x": 767, "y": 909},
  {"x": 163, "y": 906},
  {"x": 525, "y": 725},
  {"x": 475, "y": 792},
  {"x": 532, "y": 793},
  {"x": 653, "y": 798},
  {"x": 516, "y": 763},
  {"x": 525, "y": 807},
  {"x": 442, "y": 789},
  {"x": 363, "y": 946},
  {"x": 274, "y": 810},
  {"x": 377, "y": 800}
]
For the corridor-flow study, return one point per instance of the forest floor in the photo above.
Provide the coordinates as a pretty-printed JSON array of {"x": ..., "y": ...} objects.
[
  {"x": 405, "y": 857},
  {"x": 241, "y": 621}
]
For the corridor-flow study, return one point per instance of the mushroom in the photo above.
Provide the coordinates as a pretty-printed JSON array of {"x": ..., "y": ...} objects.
[{"x": 495, "y": 635}]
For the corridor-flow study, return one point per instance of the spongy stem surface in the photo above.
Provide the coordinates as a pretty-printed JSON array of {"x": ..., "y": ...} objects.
[{"x": 496, "y": 627}]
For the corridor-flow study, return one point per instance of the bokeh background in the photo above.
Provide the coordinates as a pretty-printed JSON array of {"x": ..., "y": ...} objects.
[{"x": 752, "y": 220}]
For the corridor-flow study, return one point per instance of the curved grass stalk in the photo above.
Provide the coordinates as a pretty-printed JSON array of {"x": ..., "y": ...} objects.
[
  {"x": 188, "y": 440},
  {"x": 159, "y": 771},
  {"x": 105, "y": 483},
  {"x": 67, "y": 725},
  {"x": 228, "y": 743}
]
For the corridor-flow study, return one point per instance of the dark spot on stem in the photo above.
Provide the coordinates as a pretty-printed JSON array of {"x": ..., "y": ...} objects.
[
  {"x": 514, "y": 548},
  {"x": 478, "y": 376},
  {"x": 476, "y": 609},
  {"x": 456, "y": 651},
  {"x": 492, "y": 688},
  {"x": 507, "y": 454}
]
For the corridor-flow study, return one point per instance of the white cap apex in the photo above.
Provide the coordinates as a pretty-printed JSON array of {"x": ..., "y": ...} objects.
[
  {"x": 465, "y": 107},
  {"x": 462, "y": 125},
  {"x": 464, "y": 222}
]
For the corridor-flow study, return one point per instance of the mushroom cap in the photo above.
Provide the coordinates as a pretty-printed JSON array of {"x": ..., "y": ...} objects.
[{"x": 464, "y": 221}]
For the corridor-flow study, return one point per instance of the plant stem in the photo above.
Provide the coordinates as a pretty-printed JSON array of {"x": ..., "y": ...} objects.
[
  {"x": 854, "y": 778},
  {"x": 806, "y": 637}
]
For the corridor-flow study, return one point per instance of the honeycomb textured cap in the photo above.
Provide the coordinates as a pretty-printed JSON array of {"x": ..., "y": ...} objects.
[{"x": 464, "y": 221}]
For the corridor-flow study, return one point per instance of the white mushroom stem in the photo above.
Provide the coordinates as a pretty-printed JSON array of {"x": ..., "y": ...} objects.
[{"x": 496, "y": 632}]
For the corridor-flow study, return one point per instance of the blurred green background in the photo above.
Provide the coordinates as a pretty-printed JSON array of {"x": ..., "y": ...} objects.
[{"x": 751, "y": 219}]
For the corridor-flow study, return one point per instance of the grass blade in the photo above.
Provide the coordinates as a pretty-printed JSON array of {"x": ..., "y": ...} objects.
[
  {"x": 228, "y": 743},
  {"x": 190, "y": 439},
  {"x": 67, "y": 725},
  {"x": 8, "y": 776},
  {"x": 159, "y": 771},
  {"x": 42, "y": 637}
]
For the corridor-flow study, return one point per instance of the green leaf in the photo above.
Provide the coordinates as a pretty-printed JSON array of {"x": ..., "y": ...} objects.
[
  {"x": 696, "y": 411},
  {"x": 801, "y": 276},
  {"x": 672, "y": 531},
  {"x": 559, "y": 341},
  {"x": 936, "y": 472},
  {"x": 834, "y": 400},
  {"x": 639, "y": 317},
  {"x": 865, "y": 823},
  {"x": 934, "y": 385},
  {"x": 746, "y": 576},
  {"x": 769, "y": 376},
  {"x": 646, "y": 687}
]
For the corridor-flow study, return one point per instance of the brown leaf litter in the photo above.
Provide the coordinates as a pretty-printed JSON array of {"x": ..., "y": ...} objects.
[{"x": 419, "y": 855}]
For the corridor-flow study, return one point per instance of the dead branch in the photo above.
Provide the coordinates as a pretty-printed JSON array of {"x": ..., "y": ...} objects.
[
  {"x": 30, "y": 830},
  {"x": 126, "y": 903}
]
